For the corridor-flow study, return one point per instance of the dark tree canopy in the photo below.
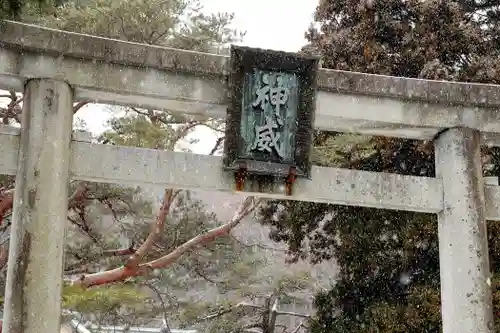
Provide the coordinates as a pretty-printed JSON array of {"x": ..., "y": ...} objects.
[
  {"x": 20, "y": 10},
  {"x": 388, "y": 260},
  {"x": 428, "y": 39}
]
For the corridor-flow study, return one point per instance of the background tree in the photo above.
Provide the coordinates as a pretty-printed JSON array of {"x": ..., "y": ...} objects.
[
  {"x": 389, "y": 263},
  {"x": 12, "y": 9}
]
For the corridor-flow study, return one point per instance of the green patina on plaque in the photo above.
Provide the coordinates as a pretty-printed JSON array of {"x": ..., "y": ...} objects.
[
  {"x": 269, "y": 117},
  {"x": 269, "y": 122}
]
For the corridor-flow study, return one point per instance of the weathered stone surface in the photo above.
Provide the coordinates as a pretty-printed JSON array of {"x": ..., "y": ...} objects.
[
  {"x": 466, "y": 299},
  {"x": 450, "y": 93},
  {"x": 34, "y": 38},
  {"x": 106, "y": 71}
]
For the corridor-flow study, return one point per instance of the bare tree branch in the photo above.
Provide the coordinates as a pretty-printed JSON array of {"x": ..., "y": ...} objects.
[
  {"x": 79, "y": 105},
  {"x": 122, "y": 273},
  {"x": 77, "y": 199},
  {"x": 217, "y": 145},
  {"x": 4, "y": 254},
  {"x": 147, "y": 113},
  {"x": 299, "y": 326},
  {"x": 79, "y": 270},
  {"x": 269, "y": 314},
  {"x": 119, "y": 252},
  {"x": 183, "y": 132},
  {"x": 156, "y": 230},
  {"x": 162, "y": 302},
  {"x": 231, "y": 309},
  {"x": 248, "y": 328},
  {"x": 264, "y": 247},
  {"x": 202, "y": 275},
  {"x": 77, "y": 203},
  {"x": 294, "y": 314},
  {"x": 13, "y": 109},
  {"x": 272, "y": 317},
  {"x": 215, "y": 129},
  {"x": 6, "y": 202}
]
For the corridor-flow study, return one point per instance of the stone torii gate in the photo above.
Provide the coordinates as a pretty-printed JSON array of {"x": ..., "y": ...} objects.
[{"x": 55, "y": 68}]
